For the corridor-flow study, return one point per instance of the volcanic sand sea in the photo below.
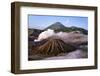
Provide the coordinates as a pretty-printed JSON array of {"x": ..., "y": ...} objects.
[{"x": 77, "y": 54}]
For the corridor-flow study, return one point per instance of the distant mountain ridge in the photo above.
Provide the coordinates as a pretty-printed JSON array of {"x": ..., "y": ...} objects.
[{"x": 57, "y": 27}]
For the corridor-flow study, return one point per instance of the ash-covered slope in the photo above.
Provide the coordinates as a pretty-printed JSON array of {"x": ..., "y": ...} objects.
[{"x": 53, "y": 47}]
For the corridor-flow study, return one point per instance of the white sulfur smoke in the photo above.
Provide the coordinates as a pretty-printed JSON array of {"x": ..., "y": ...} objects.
[
  {"x": 49, "y": 33},
  {"x": 74, "y": 36},
  {"x": 45, "y": 34}
]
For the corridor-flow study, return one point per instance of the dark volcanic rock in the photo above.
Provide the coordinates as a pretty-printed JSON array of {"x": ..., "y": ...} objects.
[{"x": 53, "y": 47}]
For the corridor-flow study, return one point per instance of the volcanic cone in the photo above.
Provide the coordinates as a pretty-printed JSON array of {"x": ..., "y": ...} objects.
[{"x": 53, "y": 47}]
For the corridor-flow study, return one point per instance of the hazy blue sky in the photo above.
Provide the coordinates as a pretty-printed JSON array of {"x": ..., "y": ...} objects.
[{"x": 41, "y": 21}]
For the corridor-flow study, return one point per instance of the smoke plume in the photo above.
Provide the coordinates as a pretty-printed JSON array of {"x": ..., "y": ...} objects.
[
  {"x": 71, "y": 37},
  {"x": 45, "y": 34}
]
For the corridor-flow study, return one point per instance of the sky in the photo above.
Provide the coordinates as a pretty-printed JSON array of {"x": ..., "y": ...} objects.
[{"x": 43, "y": 21}]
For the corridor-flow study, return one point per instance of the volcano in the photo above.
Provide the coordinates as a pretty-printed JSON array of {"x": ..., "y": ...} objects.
[
  {"x": 53, "y": 47},
  {"x": 56, "y": 26}
]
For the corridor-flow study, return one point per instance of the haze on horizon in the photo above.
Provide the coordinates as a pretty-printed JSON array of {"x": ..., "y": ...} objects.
[{"x": 43, "y": 21}]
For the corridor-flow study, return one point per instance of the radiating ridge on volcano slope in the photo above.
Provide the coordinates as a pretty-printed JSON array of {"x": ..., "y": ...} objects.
[{"x": 53, "y": 47}]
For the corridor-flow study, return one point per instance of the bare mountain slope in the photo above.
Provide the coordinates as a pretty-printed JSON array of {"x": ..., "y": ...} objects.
[{"x": 53, "y": 47}]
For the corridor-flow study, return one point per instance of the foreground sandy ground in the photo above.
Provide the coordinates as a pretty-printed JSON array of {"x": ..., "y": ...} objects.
[{"x": 72, "y": 55}]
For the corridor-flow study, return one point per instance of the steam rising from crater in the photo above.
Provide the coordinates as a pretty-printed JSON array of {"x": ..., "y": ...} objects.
[
  {"x": 49, "y": 33},
  {"x": 45, "y": 34},
  {"x": 75, "y": 36}
]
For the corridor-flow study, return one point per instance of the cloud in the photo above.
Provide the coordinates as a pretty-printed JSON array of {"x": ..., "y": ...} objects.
[{"x": 45, "y": 34}]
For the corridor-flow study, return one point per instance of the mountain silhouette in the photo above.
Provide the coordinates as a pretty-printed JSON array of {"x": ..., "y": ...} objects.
[
  {"x": 53, "y": 47},
  {"x": 56, "y": 26}
]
